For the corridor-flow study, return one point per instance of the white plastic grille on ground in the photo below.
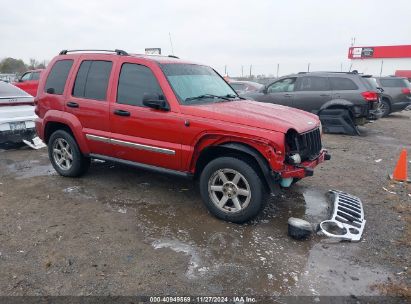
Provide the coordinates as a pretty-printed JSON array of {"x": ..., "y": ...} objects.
[{"x": 347, "y": 221}]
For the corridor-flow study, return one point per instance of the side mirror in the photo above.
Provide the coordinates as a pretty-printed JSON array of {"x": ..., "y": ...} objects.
[
  {"x": 19, "y": 80},
  {"x": 264, "y": 90},
  {"x": 155, "y": 101}
]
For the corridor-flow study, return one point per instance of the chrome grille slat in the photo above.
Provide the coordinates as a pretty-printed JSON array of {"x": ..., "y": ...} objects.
[{"x": 348, "y": 215}]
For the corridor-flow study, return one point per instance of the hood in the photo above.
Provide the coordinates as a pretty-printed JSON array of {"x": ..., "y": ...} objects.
[{"x": 256, "y": 114}]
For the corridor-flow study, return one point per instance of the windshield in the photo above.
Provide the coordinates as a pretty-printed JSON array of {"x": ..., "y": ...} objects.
[{"x": 197, "y": 84}]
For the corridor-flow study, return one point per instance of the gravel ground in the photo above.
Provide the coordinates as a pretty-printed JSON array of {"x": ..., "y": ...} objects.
[{"x": 122, "y": 231}]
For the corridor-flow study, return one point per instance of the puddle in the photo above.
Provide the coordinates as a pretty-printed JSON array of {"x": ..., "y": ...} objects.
[
  {"x": 259, "y": 254},
  {"x": 29, "y": 168},
  {"x": 79, "y": 192}
]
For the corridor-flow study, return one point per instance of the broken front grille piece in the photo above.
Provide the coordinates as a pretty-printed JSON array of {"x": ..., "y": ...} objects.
[{"x": 347, "y": 221}]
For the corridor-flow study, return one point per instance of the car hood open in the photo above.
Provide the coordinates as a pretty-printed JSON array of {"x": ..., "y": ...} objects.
[{"x": 256, "y": 114}]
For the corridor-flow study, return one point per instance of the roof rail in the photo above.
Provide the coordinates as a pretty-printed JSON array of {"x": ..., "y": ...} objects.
[
  {"x": 118, "y": 52},
  {"x": 173, "y": 56},
  {"x": 334, "y": 72}
]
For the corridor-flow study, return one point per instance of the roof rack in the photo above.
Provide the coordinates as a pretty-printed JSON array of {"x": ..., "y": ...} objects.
[
  {"x": 173, "y": 56},
  {"x": 118, "y": 52},
  {"x": 334, "y": 72}
]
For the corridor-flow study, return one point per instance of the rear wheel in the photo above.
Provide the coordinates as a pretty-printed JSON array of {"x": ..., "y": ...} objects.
[
  {"x": 385, "y": 107},
  {"x": 232, "y": 190},
  {"x": 65, "y": 155}
]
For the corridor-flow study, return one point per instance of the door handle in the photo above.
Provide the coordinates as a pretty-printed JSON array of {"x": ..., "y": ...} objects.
[
  {"x": 72, "y": 104},
  {"x": 288, "y": 95},
  {"x": 325, "y": 95},
  {"x": 122, "y": 113}
]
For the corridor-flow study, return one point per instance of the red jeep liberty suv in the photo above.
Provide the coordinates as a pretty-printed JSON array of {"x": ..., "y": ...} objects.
[{"x": 170, "y": 115}]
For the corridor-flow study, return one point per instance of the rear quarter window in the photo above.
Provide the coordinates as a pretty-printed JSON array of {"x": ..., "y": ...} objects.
[
  {"x": 57, "y": 78},
  {"x": 393, "y": 83},
  {"x": 341, "y": 84}
]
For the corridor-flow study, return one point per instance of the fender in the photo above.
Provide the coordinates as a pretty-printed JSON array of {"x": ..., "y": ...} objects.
[
  {"x": 336, "y": 102},
  {"x": 72, "y": 122},
  {"x": 270, "y": 176}
]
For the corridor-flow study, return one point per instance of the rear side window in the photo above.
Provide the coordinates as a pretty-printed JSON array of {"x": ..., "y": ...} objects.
[
  {"x": 238, "y": 86},
  {"x": 58, "y": 76},
  {"x": 393, "y": 83},
  {"x": 339, "y": 83},
  {"x": 135, "y": 81},
  {"x": 92, "y": 79},
  {"x": 314, "y": 84},
  {"x": 35, "y": 76}
]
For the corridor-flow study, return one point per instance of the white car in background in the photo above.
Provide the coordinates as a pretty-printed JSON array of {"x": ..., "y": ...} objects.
[{"x": 16, "y": 115}]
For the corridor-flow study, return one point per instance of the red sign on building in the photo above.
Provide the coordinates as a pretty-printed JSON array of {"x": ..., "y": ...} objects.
[{"x": 373, "y": 52}]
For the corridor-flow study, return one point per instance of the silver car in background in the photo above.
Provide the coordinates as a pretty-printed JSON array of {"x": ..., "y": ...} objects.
[
  {"x": 16, "y": 115},
  {"x": 396, "y": 95}
]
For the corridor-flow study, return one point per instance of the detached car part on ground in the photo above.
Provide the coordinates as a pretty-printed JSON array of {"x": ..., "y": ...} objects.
[
  {"x": 16, "y": 115},
  {"x": 343, "y": 101},
  {"x": 177, "y": 117}
]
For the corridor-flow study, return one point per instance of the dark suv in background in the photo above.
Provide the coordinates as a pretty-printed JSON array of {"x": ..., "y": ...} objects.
[
  {"x": 341, "y": 100},
  {"x": 396, "y": 95}
]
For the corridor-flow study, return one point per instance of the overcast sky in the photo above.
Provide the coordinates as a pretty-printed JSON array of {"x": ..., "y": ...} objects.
[{"x": 233, "y": 33}]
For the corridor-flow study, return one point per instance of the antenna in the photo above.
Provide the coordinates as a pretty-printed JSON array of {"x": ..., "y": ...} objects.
[{"x": 171, "y": 43}]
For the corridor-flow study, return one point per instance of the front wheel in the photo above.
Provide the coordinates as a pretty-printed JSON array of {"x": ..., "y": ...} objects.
[
  {"x": 65, "y": 155},
  {"x": 232, "y": 190}
]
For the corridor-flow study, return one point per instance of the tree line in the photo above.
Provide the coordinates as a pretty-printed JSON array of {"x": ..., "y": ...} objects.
[{"x": 17, "y": 66}]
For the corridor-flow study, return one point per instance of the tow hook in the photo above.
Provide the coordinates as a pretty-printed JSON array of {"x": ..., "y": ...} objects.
[{"x": 327, "y": 156}]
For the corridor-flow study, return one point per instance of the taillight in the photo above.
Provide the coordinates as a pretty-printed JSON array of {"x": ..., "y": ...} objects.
[
  {"x": 370, "y": 96},
  {"x": 406, "y": 91}
]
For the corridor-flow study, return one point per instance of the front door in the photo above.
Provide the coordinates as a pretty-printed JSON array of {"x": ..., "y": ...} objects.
[
  {"x": 280, "y": 92},
  {"x": 139, "y": 133}
]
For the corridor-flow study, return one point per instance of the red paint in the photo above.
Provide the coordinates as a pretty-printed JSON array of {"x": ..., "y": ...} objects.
[
  {"x": 30, "y": 86},
  {"x": 261, "y": 126},
  {"x": 392, "y": 51}
]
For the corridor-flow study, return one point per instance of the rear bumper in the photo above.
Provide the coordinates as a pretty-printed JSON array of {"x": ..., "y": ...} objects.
[
  {"x": 375, "y": 114},
  {"x": 306, "y": 168},
  {"x": 16, "y": 136}
]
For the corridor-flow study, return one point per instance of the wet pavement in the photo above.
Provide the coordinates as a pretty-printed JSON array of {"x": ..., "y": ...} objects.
[{"x": 123, "y": 231}]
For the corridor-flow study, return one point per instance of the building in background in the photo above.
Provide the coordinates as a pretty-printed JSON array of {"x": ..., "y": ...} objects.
[{"x": 380, "y": 60}]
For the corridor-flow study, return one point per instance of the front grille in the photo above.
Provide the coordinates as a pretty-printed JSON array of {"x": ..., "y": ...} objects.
[
  {"x": 309, "y": 144},
  {"x": 347, "y": 221}
]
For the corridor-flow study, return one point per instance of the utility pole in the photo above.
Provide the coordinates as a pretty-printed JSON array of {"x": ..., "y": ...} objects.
[
  {"x": 225, "y": 70},
  {"x": 382, "y": 63},
  {"x": 278, "y": 68},
  {"x": 242, "y": 71},
  {"x": 171, "y": 44},
  {"x": 251, "y": 66},
  {"x": 341, "y": 66},
  {"x": 308, "y": 68}
]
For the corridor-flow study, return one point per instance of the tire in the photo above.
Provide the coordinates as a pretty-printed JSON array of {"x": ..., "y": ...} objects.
[
  {"x": 227, "y": 192},
  {"x": 69, "y": 161},
  {"x": 385, "y": 107}
]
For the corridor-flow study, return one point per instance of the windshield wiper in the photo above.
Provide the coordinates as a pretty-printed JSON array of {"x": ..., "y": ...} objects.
[
  {"x": 206, "y": 96},
  {"x": 234, "y": 96}
]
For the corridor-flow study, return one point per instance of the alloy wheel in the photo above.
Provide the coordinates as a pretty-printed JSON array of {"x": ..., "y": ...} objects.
[
  {"x": 62, "y": 154},
  {"x": 229, "y": 190}
]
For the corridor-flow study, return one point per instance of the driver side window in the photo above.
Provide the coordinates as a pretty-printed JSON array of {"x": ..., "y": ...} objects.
[
  {"x": 284, "y": 85},
  {"x": 26, "y": 77}
]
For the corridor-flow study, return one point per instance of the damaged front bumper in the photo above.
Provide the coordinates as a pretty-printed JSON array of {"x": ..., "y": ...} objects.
[{"x": 305, "y": 168}]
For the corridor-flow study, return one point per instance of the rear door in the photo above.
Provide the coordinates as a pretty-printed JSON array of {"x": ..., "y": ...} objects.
[
  {"x": 311, "y": 93},
  {"x": 139, "y": 133},
  {"x": 344, "y": 88},
  {"x": 87, "y": 100},
  {"x": 280, "y": 92}
]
